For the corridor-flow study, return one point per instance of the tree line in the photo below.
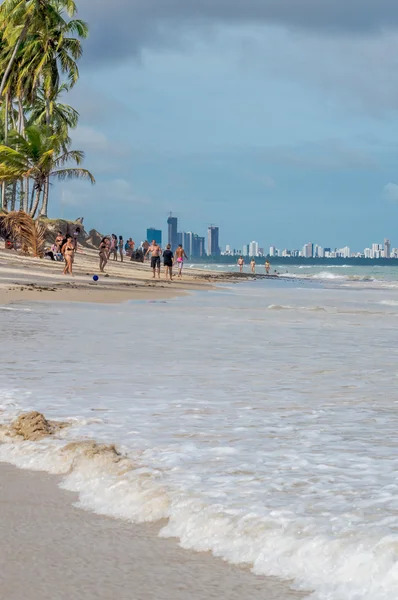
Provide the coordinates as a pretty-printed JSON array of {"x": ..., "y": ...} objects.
[{"x": 40, "y": 46}]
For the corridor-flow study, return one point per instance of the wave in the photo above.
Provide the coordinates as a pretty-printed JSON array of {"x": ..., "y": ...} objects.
[
  {"x": 277, "y": 544},
  {"x": 13, "y": 309}
]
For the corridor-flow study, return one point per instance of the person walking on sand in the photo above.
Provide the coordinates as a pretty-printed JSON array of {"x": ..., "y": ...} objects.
[
  {"x": 121, "y": 247},
  {"x": 253, "y": 266},
  {"x": 241, "y": 262},
  {"x": 267, "y": 267},
  {"x": 180, "y": 255},
  {"x": 168, "y": 257},
  {"x": 103, "y": 254},
  {"x": 155, "y": 251},
  {"x": 68, "y": 251}
]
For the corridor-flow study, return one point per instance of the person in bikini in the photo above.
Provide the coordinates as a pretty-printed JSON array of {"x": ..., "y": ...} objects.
[
  {"x": 121, "y": 246},
  {"x": 155, "y": 251},
  {"x": 59, "y": 241},
  {"x": 179, "y": 257},
  {"x": 253, "y": 266},
  {"x": 68, "y": 251},
  {"x": 103, "y": 253}
]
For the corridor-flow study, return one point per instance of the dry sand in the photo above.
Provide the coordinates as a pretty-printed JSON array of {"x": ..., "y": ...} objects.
[
  {"x": 25, "y": 278},
  {"x": 51, "y": 550}
]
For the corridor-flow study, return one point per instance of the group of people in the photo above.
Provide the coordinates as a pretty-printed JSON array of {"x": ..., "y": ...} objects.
[
  {"x": 65, "y": 248},
  {"x": 112, "y": 246},
  {"x": 169, "y": 259},
  {"x": 241, "y": 264}
]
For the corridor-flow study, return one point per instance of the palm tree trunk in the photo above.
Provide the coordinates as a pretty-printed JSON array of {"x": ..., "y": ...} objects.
[
  {"x": 4, "y": 185},
  {"x": 32, "y": 196},
  {"x": 44, "y": 208},
  {"x": 21, "y": 116},
  {"x": 36, "y": 202},
  {"x": 25, "y": 199},
  {"x": 14, "y": 196},
  {"x": 13, "y": 57}
]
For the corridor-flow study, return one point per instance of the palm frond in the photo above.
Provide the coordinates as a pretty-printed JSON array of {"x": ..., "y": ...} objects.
[{"x": 30, "y": 234}]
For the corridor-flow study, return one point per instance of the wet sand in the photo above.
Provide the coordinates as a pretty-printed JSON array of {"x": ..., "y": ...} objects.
[{"x": 51, "y": 550}]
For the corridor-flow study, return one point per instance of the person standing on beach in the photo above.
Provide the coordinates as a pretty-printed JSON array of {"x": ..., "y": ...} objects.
[
  {"x": 168, "y": 262},
  {"x": 113, "y": 247},
  {"x": 59, "y": 241},
  {"x": 103, "y": 254},
  {"x": 68, "y": 251},
  {"x": 253, "y": 266},
  {"x": 241, "y": 262},
  {"x": 121, "y": 246},
  {"x": 76, "y": 237},
  {"x": 180, "y": 255},
  {"x": 155, "y": 251},
  {"x": 145, "y": 246},
  {"x": 267, "y": 267}
]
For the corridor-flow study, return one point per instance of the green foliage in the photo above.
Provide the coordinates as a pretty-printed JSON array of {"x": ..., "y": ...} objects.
[{"x": 40, "y": 46}]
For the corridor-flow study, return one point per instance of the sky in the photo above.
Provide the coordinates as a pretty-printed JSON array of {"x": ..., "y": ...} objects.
[{"x": 276, "y": 121}]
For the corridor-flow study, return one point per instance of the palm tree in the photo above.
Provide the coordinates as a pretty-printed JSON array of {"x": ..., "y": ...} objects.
[
  {"x": 38, "y": 155},
  {"x": 21, "y": 18},
  {"x": 61, "y": 117}
]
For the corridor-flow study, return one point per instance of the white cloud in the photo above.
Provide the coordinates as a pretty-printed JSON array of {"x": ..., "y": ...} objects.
[{"x": 391, "y": 191}]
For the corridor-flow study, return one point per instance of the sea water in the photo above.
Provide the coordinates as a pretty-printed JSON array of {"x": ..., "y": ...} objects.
[{"x": 260, "y": 420}]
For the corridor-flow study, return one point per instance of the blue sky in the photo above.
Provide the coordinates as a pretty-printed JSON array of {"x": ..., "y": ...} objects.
[{"x": 277, "y": 125}]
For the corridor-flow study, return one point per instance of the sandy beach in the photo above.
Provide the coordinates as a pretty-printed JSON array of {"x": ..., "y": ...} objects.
[
  {"x": 26, "y": 278},
  {"x": 51, "y": 550}
]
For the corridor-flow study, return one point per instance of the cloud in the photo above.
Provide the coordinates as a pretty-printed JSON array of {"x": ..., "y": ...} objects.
[
  {"x": 127, "y": 26},
  {"x": 391, "y": 192}
]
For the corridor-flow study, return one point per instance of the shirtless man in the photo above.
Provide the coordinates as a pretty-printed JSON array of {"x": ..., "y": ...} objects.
[
  {"x": 241, "y": 262},
  {"x": 179, "y": 257},
  {"x": 156, "y": 251}
]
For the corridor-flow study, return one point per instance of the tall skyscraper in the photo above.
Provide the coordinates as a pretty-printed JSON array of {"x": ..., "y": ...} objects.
[
  {"x": 387, "y": 248},
  {"x": 308, "y": 250},
  {"x": 253, "y": 248},
  {"x": 213, "y": 247},
  {"x": 172, "y": 223},
  {"x": 154, "y": 234}
]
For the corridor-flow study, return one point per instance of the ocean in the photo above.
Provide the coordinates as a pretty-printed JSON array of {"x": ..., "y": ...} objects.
[{"x": 259, "y": 419}]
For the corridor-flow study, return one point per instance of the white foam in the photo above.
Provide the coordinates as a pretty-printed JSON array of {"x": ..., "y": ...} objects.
[{"x": 257, "y": 433}]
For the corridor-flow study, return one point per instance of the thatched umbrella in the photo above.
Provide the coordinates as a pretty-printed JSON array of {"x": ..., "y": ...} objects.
[{"x": 30, "y": 233}]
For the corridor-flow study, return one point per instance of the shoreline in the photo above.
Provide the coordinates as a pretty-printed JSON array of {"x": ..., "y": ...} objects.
[
  {"x": 86, "y": 556},
  {"x": 30, "y": 279}
]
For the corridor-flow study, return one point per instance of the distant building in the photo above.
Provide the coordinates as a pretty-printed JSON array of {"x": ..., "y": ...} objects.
[
  {"x": 154, "y": 234},
  {"x": 213, "y": 247},
  {"x": 272, "y": 251},
  {"x": 172, "y": 223},
  {"x": 245, "y": 250},
  {"x": 308, "y": 250},
  {"x": 387, "y": 248},
  {"x": 253, "y": 249}
]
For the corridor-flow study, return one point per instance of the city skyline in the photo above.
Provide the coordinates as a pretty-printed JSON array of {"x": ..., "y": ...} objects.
[{"x": 312, "y": 154}]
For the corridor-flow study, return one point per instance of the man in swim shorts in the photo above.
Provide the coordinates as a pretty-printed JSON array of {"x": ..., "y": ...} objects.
[
  {"x": 155, "y": 251},
  {"x": 179, "y": 256}
]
